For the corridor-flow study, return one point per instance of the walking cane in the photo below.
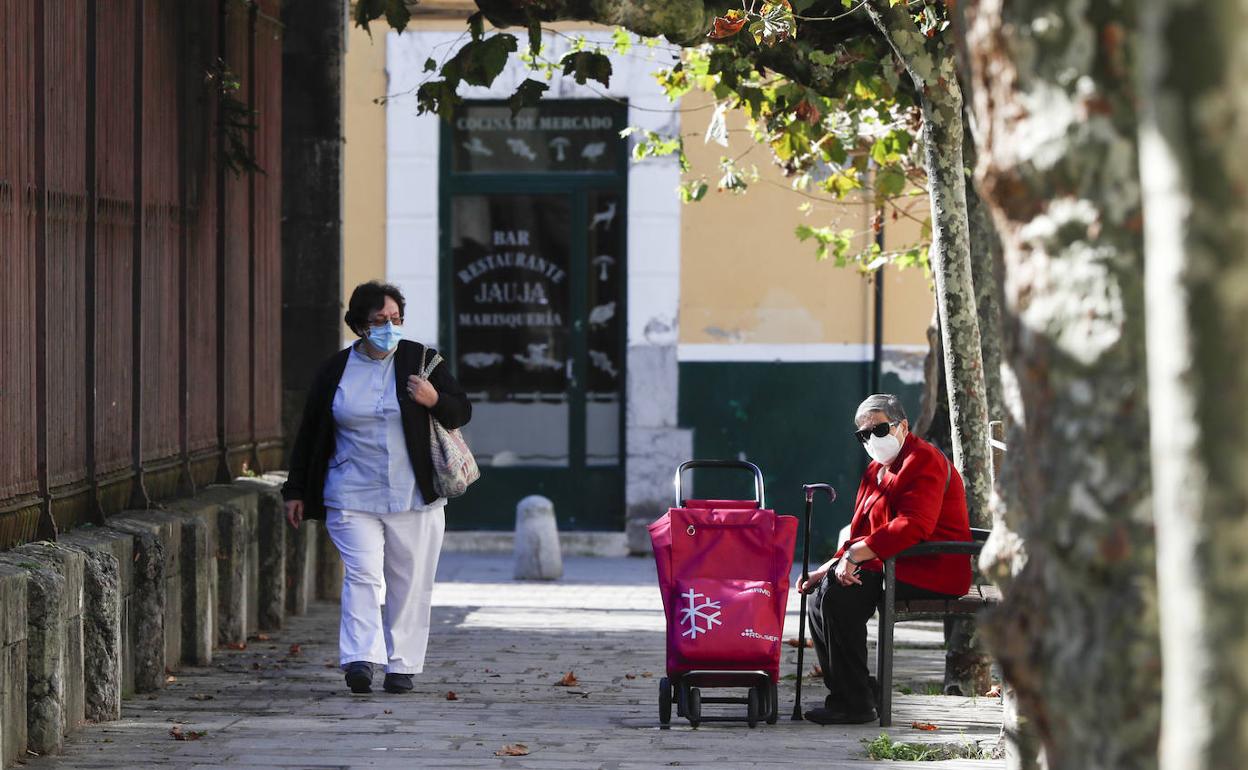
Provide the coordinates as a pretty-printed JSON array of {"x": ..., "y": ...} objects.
[{"x": 809, "y": 489}]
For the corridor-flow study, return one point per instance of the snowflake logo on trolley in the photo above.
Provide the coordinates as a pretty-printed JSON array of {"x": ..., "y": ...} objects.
[{"x": 698, "y": 612}]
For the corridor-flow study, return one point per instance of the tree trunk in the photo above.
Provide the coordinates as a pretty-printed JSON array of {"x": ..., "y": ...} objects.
[
  {"x": 1195, "y": 173},
  {"x": 986, "y": 274},
  {"x": 931, "y": 66},
  {"x": 1077, "y": 633}
]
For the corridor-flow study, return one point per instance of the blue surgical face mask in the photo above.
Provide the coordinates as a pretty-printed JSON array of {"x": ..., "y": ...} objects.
[{"x": 384, "y": 337}]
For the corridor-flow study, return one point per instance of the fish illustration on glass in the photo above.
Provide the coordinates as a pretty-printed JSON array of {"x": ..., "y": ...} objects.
[
  {"x": 602, "y": 361},
  {"x": 521, "y": 148},
  {"x": 481, "y": 359},
  {"x": 475, "y": 146}
]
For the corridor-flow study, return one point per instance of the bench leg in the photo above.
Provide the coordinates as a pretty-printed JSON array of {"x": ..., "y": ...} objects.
[{"x": 884, "y": 652}]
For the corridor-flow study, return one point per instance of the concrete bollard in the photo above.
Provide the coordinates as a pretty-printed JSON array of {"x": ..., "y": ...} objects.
[
  {"x": 301, "y": 566},
  {"x": 329, "y": 567},
  {"x": 238, "y": 560},
  {"x": 13, "y": 633},
  {"x": 271, "y": 533},
  {"x": 70, "y": 563},
  {"x": 537, "y": 553},
  {"x": 45, "y": 653},
  {"x": 106, "y": 627}
]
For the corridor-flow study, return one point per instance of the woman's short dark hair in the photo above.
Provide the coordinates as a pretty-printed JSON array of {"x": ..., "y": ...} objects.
[{"x": 367, "y": 299}]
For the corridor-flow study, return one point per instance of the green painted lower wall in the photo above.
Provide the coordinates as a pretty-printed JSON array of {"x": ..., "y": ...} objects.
[{"x": 792, "y": 420}]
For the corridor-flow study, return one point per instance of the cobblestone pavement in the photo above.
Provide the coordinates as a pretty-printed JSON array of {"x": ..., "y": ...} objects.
[{"x": 500, "y": 646}]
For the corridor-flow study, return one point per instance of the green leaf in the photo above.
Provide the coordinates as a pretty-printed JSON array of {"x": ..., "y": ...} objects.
[
  {"x": 438, "y": 97},
  {"x": 476, "y": 25},
  {"x": 528, "y": 94},
  {"x": 587, "y": 65},
  {"x": 621, "y": 41},
  {"x": 397, "y": 15},
  {"x": 366, "y": 11},
  {"x": 694, "y": 191},
  {"x": 480, "y": 61},
  {"x": 889, "y": 182},
  {"x": 430, "y": 65},
  {"x": 535, "y": 36}
]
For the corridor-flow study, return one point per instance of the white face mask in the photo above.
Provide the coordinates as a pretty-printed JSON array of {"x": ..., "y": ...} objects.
[{"x": 883, "y": 450}]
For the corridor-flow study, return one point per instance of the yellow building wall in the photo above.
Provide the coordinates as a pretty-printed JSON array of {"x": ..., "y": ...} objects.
[
  {"x": 746, "y": 278},
  {"x": 364, "y": 161}
]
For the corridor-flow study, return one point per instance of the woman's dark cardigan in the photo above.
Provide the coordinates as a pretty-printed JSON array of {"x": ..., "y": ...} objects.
[{"x": 314, "y": 446}]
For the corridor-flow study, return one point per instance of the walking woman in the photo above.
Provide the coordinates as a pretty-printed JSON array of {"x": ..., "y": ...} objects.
[{"x": 362, "y": 462}]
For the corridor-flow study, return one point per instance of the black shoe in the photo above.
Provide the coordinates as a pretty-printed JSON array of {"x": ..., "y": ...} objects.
[
  {"x": 359, "y": 675},
  {"x": 398, "y": 683},
  {"x": 827, "y": 716}
]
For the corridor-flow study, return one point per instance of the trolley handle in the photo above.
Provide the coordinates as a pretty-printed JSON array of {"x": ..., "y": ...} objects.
[{"x": 739, "y": 464}]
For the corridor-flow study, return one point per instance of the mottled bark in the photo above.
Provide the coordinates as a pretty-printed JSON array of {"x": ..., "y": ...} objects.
[
  {"x": 986, "y": 274},
  {"x": 1193, "y": 132},
  {"x": 1076, "y": 634},
  {"x": 931, "y": 65}
]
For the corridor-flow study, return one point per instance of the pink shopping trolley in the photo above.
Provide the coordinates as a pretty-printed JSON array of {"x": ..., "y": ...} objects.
[{"x": 723, "y": 568}]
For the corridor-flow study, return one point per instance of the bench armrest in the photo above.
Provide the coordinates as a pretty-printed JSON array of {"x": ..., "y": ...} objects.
[{"x": 941, "y": 546}]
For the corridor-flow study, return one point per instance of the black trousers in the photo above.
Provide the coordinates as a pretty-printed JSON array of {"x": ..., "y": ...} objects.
[{"x": 838, "y": 618}]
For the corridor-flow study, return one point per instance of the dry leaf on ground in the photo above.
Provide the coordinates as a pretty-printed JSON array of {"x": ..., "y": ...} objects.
[
  {"x": 170, "y": 679},
  {"x": 792, "y": 642},
  {"x": 450, "y": 695},
  {"x": 646, "y": 674},
  {"x": 512, "y": 750},
  {"x": 924, "y": 726},
  {"x": 815, "y": 672},
  {"x": 201, "y": 696},
  {"x": 994, "y": 691},
  {"x": 630, "y": 676},
  {"x": 387, "y": 711},
  {"x": 178, "y": 734},
  {"x": 261, "y": 637},
  {"x": 236, "y": 645},
  {"x": 569, "y": 680},
  {"x": 295, "y": 649}
]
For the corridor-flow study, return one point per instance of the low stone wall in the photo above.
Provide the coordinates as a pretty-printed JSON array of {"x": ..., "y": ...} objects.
[{"x": 107, "y": 612}]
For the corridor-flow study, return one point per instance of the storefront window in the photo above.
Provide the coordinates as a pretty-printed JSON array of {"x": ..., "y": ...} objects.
[{"x": 582, "y": 136}]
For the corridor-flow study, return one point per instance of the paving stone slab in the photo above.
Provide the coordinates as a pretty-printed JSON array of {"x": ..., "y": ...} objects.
[{"x": 500, "y": 645}]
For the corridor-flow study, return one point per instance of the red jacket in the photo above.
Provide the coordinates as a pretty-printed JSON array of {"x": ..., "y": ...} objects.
[{"x": 918, "y": 497}]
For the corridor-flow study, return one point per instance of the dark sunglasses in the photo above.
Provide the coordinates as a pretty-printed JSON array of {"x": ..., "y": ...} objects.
[{"x": 879, "y": 431}]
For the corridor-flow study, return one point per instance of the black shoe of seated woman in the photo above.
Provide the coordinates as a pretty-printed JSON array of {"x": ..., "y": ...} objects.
[
  {"x": 359, "y": 675},
  {"x": 827, "y": 716},
  {"x": 398, "y": 683}
]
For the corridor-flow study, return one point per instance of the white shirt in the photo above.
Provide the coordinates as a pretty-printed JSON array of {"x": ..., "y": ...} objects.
[{"x": 371, "y": 470}]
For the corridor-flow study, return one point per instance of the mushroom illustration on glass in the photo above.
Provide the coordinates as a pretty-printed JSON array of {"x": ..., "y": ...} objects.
[
  {"x": 521, "y": 148},
  {"x": 604, "y": 217},
  {"x": 602, "y": 262},
  {"x": 560, "y": 145}
]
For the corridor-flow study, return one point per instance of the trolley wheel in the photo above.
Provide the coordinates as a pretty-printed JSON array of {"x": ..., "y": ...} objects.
[
  {"x": 665, "y": 702},
  {"x": 752, "y": 707},
  {"x": 773, "y": 705},
  {"x": 693, "y": 706}
]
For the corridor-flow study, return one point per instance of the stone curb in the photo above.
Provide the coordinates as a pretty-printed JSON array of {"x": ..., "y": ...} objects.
[{"x": 109, "y": 611}]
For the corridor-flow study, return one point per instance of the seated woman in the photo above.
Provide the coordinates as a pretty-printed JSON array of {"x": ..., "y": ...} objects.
[{"x": 910, "y": 493}]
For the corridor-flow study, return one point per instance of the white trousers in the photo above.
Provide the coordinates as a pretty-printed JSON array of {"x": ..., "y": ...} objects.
[{"x": 389, "y": 561}]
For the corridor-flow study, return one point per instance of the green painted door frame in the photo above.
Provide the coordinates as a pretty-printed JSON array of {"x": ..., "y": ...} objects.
[{"x": 586, "y": 497}]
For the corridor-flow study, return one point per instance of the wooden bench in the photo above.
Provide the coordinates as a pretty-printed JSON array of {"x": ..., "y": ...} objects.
[{"x": 893, "y": 611}]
